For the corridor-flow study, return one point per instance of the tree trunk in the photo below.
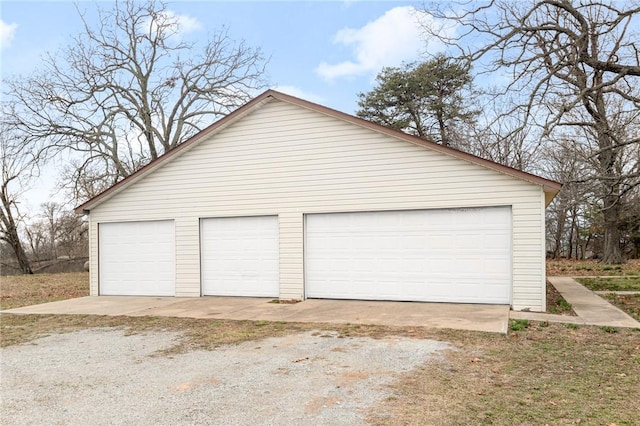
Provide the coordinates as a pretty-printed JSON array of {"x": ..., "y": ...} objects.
[
  {"x": 570, "y": 240},
  {"x": 444, "y": 139},
  {"x": 612, "y": 253},
  {"x": 23, "y": 261},
  {"x": 13, "y": 240},
  {"x": 576, "y": 232},
  {"x": 608, "y": 158},
  {"x": 561, "y": 219},
  {"x": 9, "y": 227}
]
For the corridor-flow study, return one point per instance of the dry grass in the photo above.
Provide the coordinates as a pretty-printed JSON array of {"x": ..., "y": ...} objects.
[
  {"x": 198, "y": 333},
  {"x": 575, "y": 268},
  {"x": 556, "y": 304},
  {"x": 619, "y": 278},
  {"x": 611, "y": 284},
  {"x": 630, "y": 303},
  {"x": 544, "y": 374},
  {"x": 24, "y": 290},
  {"x": 553, "y": 374}
]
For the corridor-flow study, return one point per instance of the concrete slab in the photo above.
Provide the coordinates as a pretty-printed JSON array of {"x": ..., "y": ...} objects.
[
  {"x": 203, "y": 307},
  {"x": 492, "y": 318},
  {"x": 590, "y": 307},
  {"x": 542, "y": 317},
  {"x": 103, "y": 305},
  {"x": 488, "y": 318}
]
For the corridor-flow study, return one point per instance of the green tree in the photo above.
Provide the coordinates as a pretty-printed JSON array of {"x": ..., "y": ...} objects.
[{"x": 429, "y": 99}]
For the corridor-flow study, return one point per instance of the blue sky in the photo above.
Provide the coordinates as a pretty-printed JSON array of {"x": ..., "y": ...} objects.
[{"x": 324, "y": 51}]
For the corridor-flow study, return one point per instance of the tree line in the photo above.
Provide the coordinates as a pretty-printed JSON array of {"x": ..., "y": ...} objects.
[
  {"x": 550, "y": 87},
  {"x": 563, "y": 102},
  {"x": 122, "y": 93},
  {"x": 55, "y": 234}
]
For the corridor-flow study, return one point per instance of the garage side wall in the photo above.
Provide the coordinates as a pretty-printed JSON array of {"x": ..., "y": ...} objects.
[{"x": 286, "y": 160}]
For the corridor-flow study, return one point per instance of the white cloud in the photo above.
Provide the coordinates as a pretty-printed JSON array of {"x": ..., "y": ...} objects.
[
  {"x": 7, "y": 32},
  {"x": 299, "y": 93},
  {"x": 181, "y": 24},
  {"x": 186, "y": 23},
  {"x": 394, "y": 37}
]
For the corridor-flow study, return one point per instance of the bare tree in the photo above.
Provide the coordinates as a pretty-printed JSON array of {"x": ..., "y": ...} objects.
[
  {"x": 73, "y": 235},
  {"x": 131, "y": 88},
  {"x": 36, "y": 234},
  {"x": 50, "y": 214},
  {"x": 502, "y": 139},
  {"x": 631, "y": 226},
  {"x": 56, "y": 232},
  {"x": 569, "y": 219},
  {"x": 569, "y": 64},
  {"x": 17, "y": 165}
]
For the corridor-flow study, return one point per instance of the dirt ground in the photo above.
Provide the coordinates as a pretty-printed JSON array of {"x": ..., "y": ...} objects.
[
  {"x": 102, "y": 376},
  {"x": 544, "y": 373}
]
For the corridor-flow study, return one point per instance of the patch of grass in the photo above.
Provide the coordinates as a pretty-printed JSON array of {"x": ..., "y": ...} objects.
[
  {"x": 539, "y": 375},
  {"x": 609, "y": 329},
  {"x": 19, "y": 329},
  {"x": 519, "y": 324},
  {"x": 591, "y": 268},
  {"x": 630, "y": 303},
  {"x": 542, "y": 374},
  {"x": 556, "y": 304},
  {"x": 285, "y": 301},
  {"x": 198, "y": 333},
  {"x": 564, "y": 306},
  {"x": 611, "y": 268},
  {"x": 25, "y": 290},
  {"x": 611, "y": 284}
]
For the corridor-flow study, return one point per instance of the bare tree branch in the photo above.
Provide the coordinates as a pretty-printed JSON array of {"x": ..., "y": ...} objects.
[
  {"x": 570, "y": 65},
  {"x": 132, "y": 87}
]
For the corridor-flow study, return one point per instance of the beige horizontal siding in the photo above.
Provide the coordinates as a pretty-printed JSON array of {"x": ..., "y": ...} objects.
[
  {"x": 93, "y": 257},
  {"x": 291, "y": 256},
  {"x": 285, "y": 160},
  {"x": 188, "y": 257}
]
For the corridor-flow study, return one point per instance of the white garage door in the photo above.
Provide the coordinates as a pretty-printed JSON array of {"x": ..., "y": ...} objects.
[
  {"x": 240, "y": 256},
  {"x": 137, "y": 258},
  {"x": 449, "y": 255}
]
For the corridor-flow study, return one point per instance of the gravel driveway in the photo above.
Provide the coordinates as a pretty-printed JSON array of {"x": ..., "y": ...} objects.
[{"x": 102, "y": 376}]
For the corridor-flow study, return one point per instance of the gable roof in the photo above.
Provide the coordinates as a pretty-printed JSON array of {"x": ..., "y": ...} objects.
[{"x": 550, "y": 187}]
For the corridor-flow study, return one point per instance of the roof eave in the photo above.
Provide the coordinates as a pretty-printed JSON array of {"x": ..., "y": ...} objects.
[
  {"x": 549, "y": 187},
  {"x": 547, "y": 184},
  {"x": 214, "y": 128}
]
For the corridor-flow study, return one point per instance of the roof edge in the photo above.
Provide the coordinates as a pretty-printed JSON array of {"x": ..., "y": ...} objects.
[
  {"x": 549, "y": 186},
  {"x": 217, "y": 126}
]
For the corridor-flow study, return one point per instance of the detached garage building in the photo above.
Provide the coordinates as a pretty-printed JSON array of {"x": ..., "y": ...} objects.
[{"x": 286, "y": 198}]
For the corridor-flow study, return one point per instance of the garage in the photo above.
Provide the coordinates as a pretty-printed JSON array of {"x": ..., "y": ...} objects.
[
  {"x": 137, "y": 258},
  {"x": 441, "y": 255},
  {"x": 240, "y": 256},
  {"x": 288, "y": 199}
]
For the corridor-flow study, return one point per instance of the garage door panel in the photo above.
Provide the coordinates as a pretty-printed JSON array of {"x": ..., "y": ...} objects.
[
  {"x": 412, "y": 266},
  {"x": 455, "y": 255},
  {"x": 240, "y": 256},
  {"x": 440, "y": 219},
  {"x": 495, "y": 267},
  {"x": 137, "y": 258},
  {"x": 411, "y": 241}
]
